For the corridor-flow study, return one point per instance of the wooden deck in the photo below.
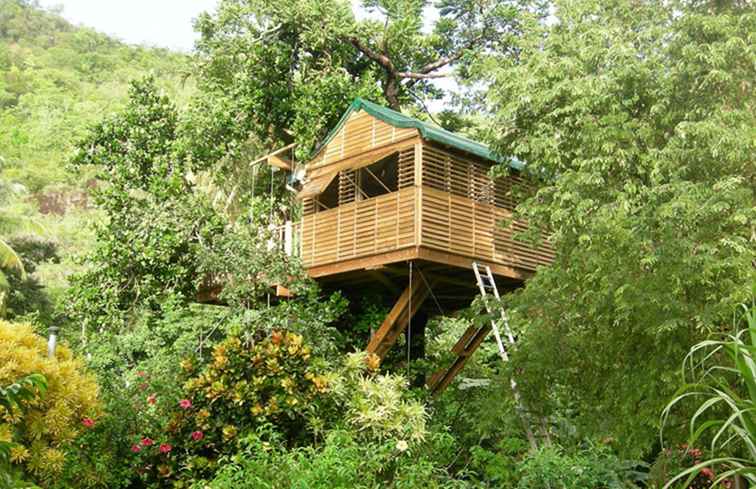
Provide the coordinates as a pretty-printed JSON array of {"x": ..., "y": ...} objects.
[{"x": 423, "y": 218}]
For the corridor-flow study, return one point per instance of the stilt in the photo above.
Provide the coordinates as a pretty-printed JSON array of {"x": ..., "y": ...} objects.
[{"x": 396, "y": 321}]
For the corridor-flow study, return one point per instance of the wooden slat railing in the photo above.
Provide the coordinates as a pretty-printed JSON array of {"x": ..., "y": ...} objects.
[
  {"x": 358, "y": 229},
  {"x": 473, "y": 229}
]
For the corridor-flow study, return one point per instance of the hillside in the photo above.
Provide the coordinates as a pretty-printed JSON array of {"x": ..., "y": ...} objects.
[{"x": 57, "y": 79}]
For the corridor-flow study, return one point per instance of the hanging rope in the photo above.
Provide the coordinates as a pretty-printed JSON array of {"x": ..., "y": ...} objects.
[
  {"x": 427, "y": 284},
  {"x": 409, "y": 324},
  {"x": 270, "y": 217}
]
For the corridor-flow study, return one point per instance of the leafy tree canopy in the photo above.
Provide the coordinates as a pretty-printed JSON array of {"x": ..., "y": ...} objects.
[
  {"x": 638, "y": 119},
  {"x": 282, "y": 71}
]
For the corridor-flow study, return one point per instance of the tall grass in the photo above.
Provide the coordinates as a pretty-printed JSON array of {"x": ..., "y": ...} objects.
[{"x": 725, "y": 371}]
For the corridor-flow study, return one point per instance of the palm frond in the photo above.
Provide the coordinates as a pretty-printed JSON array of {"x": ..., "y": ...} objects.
[{"x": 9, "y": 259}]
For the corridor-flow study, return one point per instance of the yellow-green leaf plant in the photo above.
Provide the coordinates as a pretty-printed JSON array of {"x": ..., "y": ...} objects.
[{"x": 45, "y": 426}]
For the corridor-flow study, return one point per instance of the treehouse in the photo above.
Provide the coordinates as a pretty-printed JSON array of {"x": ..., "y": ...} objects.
[{"x": 391, "y": 200}]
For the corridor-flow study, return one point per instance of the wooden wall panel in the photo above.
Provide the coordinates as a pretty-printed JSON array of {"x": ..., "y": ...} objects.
[
  {"x": 446, "y": 202},
  {"x": 467, "y": 177},
  {"x": 462, "y": 226},
  {"x": 361, "y": 132}
]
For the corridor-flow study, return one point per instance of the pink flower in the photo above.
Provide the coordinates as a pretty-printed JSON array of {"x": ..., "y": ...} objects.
[
  {"x": 165, "y": 448},
  {"x": 151, "y": 399},
  {"x": 88, "y": 422},
  {"x": 708, "y": 473},
  {"x": 136, "y": 448},
  {"x": 197, "y": 435},
  {"x": 146, "y": 442},
  {"x": 185, "y": 403}
]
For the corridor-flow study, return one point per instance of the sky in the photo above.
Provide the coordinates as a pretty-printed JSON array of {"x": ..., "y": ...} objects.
[{"x": 161, "y": 23}]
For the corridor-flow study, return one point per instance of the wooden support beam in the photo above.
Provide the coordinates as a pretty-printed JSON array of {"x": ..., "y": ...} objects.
[
  {"x": 367, "y": 262},
  {"x": 274, "y": 153},
  {"x": 460, "y": 261},
  {"x": 383, "y": 279},
  {"x": 278, "y": 162},
  {"x": 458, "y": 282},
  {"x": 398, "y": 317},
  {"x": 282, "y": 291},
  {"x": 464, "y": 348}
]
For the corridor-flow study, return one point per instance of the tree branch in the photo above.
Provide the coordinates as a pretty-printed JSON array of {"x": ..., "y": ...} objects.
[
  {"x": 379, "y": 58},
  {"x": 445, "y": 60},
  {"x": 420, "y": 76}
]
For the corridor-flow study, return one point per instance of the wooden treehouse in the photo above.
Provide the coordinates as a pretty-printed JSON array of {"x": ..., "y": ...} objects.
[{"x": 392, "y": 201}]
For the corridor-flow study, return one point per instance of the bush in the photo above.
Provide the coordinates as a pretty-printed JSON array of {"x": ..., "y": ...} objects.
[
  {"x": 12, "y": 398},
  {"x": 594, "y": 468},
  {"x": 51, "y": 423},
  {"x": 375, "y": 407},
  {"x": 270, "y": 382},
  {"x": 343, "y": 461},
  {"x": 672, "y": 461}
]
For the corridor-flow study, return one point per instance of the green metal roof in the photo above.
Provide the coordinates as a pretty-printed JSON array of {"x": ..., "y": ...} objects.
[{"x": 427, "y": 131}]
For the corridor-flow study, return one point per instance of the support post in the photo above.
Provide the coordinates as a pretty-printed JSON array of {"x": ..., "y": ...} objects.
[{"x": 398, "y": 317}]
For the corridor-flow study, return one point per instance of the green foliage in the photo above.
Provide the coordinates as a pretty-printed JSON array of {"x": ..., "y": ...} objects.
[
  {"x": 25, "y": 389},
  {"x": 275, "y": 72},
  {"x": 55, "y": 79},
  {"x": 271, "y": 380},
  {"x": 340, "y": 462},
  {"x": 150, "y": 245},
  {"x": 731, "y": 386},
  {"x": 377, "y": 407},
  {"x": 673, "y": 461},
  {"x": 49, "y": 424},
  {"x": 13, "y": 398},
  {"x": 637, "y": 122},
  {"x": 590, "y": 469},
  {"x": 27, "y": 296},
  {"x": 12, "y": 266}
]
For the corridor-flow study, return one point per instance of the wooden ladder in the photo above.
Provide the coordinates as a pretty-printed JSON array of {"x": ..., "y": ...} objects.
[{"x": 474, "y": 336}]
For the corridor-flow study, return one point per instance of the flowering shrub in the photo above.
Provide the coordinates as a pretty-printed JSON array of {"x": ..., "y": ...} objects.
[
  {"x": 271, "y": 381},
  {"x": 50, "y": 423},
  {"x": 244, "y": 386},
  {"x": 672, "y": 461}
]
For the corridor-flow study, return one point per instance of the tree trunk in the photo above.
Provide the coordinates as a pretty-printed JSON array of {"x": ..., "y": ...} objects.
[{"x": 391, "y": 92}]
